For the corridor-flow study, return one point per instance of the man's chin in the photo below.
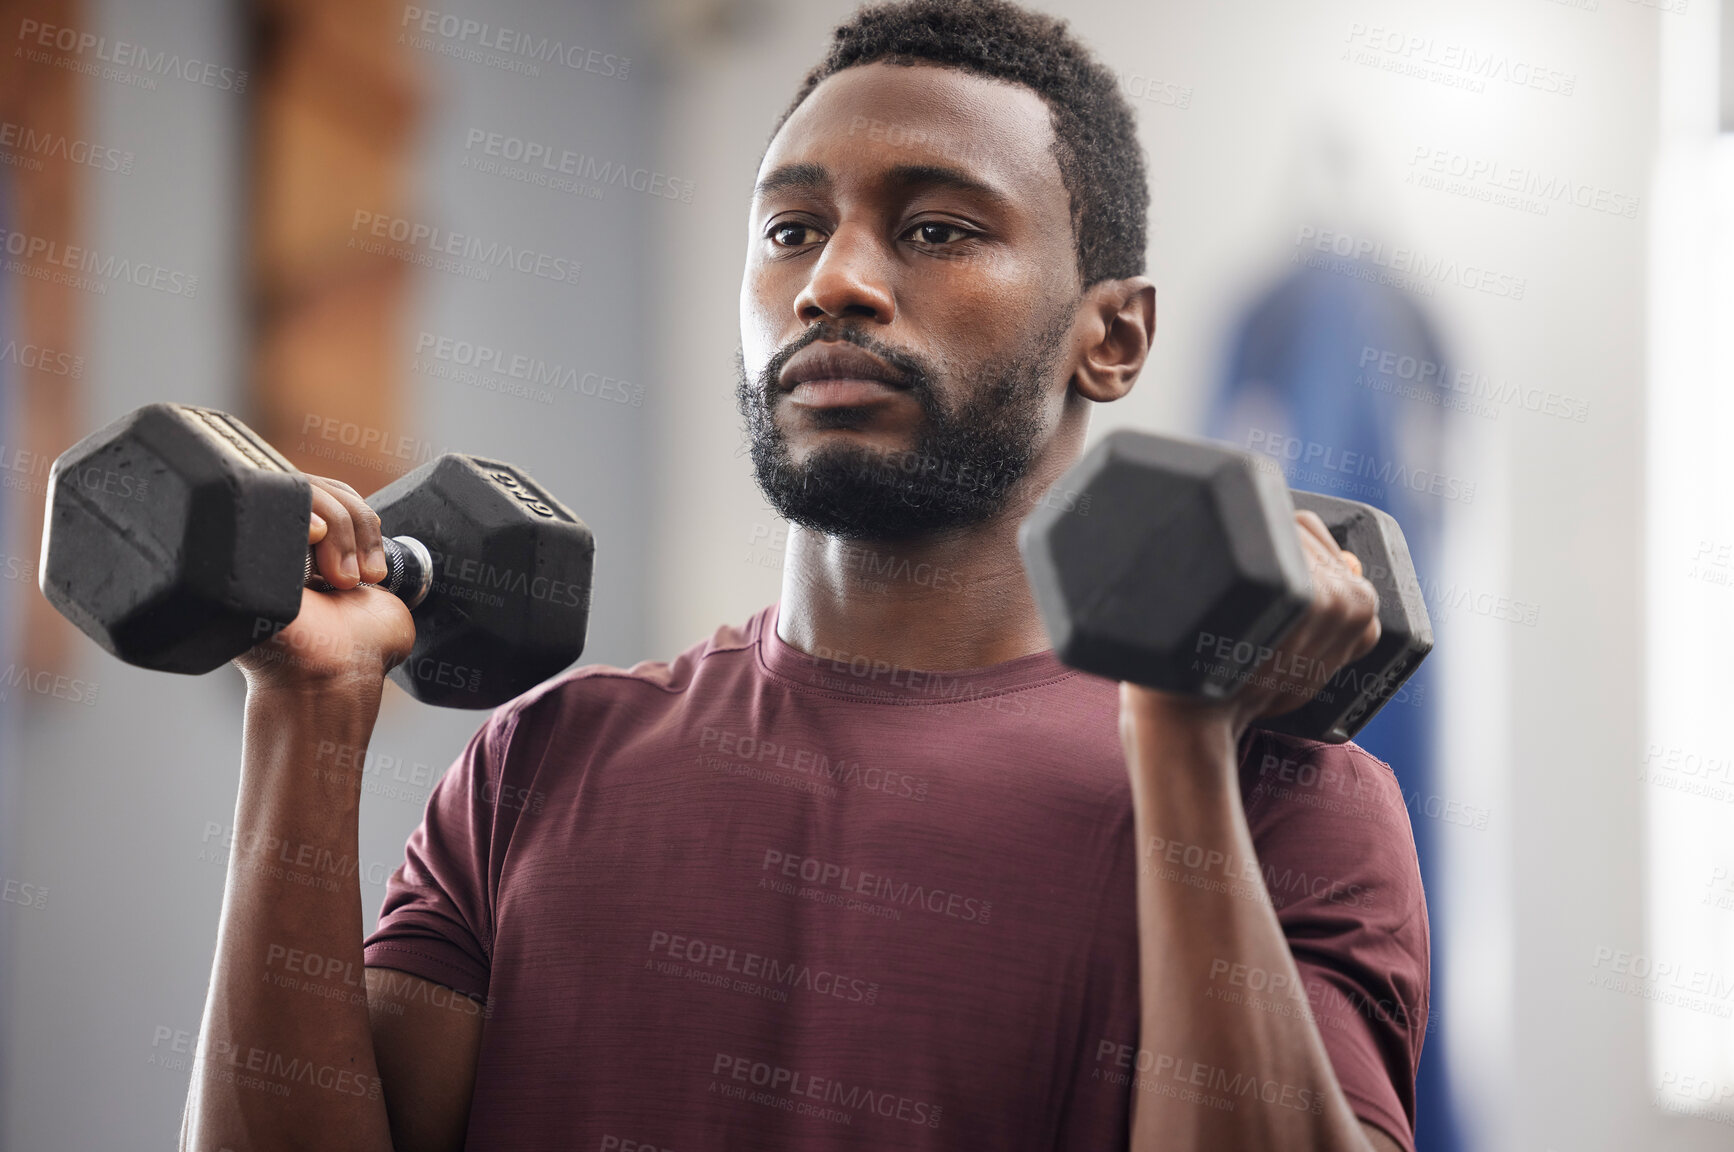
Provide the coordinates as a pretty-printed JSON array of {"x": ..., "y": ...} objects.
[
  {"x": 862, "y": 495},
  {"x": 834, "y": 449},
  {"x": 865, "y": 523}
]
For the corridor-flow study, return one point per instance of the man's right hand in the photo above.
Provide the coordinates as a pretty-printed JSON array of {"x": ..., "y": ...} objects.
[{"x": 351, "y": 638}]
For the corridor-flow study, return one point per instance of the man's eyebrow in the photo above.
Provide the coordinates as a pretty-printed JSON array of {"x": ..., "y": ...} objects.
[
  {"x": 903, "y": 177},
  {"x": 793, "y": 178},
  {"x": 908, "y": 177}
]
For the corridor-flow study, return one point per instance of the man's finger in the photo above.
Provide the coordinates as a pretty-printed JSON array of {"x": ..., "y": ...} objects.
[
  {"x": 367, "y": 548},
  {"x": 1311, "y": 525},
  {"x": 335, "y": 554}
]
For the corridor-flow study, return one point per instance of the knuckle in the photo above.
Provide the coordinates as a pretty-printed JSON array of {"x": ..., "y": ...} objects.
[{"x": 1368, "y": 597}]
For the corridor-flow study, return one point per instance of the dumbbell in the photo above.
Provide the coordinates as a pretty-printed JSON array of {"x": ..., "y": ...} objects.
[
  {"x": 176, "y": 538},
  {"x": 1175, "y": 564}
]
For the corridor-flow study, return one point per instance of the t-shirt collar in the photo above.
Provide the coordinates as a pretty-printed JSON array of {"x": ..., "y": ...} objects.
[{"x": 866, "y": 678}]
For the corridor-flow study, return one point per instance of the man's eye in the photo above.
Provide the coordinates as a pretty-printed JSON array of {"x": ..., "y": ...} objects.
[
  {"x": 793, "y": 235},
  {"x": 939, "y": 233}
]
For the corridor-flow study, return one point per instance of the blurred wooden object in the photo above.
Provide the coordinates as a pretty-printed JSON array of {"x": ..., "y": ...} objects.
[
  {"x": 337, "y": 104},
  {"x": 43, "y": 197}
]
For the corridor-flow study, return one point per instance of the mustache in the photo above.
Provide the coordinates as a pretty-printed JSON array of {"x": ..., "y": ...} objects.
[{"x": 914, "y": 373}]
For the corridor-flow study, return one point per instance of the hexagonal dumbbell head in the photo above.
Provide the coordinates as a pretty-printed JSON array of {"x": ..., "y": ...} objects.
[
  {"x": 1349, "y": 699},
  {"x": 1159, "y": 561},
  {"x": 510, "y": 600},
  {"x": 175, "y": 538}
]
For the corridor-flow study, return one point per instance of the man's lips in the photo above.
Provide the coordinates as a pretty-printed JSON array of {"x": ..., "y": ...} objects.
[
  {"x": 840, "y": 393},
  {"x": 832, "y": 375}
]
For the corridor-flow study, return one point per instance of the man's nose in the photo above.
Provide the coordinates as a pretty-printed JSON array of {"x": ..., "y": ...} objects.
[{"x": 849, "y": 279}]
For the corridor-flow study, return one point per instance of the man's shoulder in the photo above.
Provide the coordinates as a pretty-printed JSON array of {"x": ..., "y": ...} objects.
[
  {"x": 1275, "y": 764},
  {"x": 590, "y": 687},
  {"x": 1321, "y": 798},
  {"x": 1332, "y": 830}
]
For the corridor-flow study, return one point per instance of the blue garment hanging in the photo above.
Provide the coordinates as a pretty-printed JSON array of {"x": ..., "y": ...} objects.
[{"x": 1307, "y": 371}]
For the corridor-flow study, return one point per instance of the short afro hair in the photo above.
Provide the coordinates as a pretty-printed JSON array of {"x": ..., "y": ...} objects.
[{"x": 1095, "y": 139}]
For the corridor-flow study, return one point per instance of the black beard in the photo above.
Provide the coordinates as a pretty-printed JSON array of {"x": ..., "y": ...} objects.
[{"x": 960, "y": 472}]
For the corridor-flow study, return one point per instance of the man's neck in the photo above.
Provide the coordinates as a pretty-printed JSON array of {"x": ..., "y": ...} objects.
[{"x": 932, "y": 603}]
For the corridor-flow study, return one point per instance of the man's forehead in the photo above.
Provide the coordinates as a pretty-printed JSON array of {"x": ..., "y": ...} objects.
[{"x": 896, "y": 117}]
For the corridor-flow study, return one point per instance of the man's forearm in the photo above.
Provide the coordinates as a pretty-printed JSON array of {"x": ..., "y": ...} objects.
[
  {"x": 1209, "y": 1073},
  {"x": 285, "y": 1049}
]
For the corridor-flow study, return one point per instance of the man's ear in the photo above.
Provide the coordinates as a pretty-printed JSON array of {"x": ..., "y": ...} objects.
[{"x": 1118, "y": 319}]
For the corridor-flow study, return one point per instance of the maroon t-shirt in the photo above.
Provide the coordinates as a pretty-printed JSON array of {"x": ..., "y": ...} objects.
[{"x": 753, "y": 899}]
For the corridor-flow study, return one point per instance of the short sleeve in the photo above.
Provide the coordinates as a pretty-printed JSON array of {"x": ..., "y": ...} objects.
[
  {"x": 1338, "y": 856},
  {"x": 437, "y": 920}
]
